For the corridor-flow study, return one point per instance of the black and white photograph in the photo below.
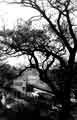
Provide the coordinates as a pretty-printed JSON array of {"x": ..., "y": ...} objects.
[{"x": 38, "y": 59}]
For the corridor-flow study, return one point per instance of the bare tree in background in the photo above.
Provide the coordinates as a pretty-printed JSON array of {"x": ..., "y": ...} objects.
[{"x": 59, "y": 15}]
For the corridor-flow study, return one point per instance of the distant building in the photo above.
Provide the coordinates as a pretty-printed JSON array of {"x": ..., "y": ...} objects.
[{"x": 29, "y": 77}]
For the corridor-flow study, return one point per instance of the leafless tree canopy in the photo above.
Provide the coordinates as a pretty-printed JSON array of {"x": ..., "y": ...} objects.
[{"x": 56, "y": 39}]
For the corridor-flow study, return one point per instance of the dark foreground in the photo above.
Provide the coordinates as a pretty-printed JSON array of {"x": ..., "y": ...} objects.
[
  {"x": 10, "y": 115},
  {"x": 28, "y": 115}
]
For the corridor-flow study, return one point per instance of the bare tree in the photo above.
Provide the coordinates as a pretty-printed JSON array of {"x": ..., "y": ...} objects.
[
  {"x": 62, "y": 29},
  {"x": 64, "y": 10}
]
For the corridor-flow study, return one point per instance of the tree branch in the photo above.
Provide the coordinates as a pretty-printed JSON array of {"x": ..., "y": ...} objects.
[
  {"x": 49, "y": 65},
  {"x": 62, "y": 61},
  {"x": 70, "y": 29},
  {"x": 36, "y": 61}
]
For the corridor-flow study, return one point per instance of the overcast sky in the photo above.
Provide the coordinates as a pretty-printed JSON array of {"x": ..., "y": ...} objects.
[
  {"x": 8, "y": 16},
  {"x": 10, "y": 13}
]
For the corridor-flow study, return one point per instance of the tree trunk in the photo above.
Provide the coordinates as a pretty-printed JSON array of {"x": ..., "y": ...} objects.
[
  {"x": 65, "y": 113},
  {"x": 63, "y": 96},
  {"x": 68, "y": 77}
]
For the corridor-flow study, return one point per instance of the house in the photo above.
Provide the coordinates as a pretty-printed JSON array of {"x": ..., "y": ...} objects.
[{"x": 29, "y": 77}]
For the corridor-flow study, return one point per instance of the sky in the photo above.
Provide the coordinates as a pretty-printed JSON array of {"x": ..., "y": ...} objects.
[{"x": 9, "y": 15}]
